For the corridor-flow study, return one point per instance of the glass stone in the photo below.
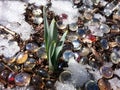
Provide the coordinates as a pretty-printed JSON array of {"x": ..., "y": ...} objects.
[
  {"x": 11, "y": 78},
  {"x": 41, "y": 72},
  {"x": 49, "y": 84},
  {"x": 9, "y": 60},
  {"x": 91, "y": 38},
  {"x": 37, "y": 12},
  {"x": 21, "y": 57},
  {"x": 115, "y": 58},
  {"x": 81, "y": 32},
  {"x": 37, "y": 20},
  {"x": 31, "y": 47},
  {"x": 76, "y": 44},
  {"x": 62, "y": 65},
  {"x": 73, "y": 27},
  {"x": 88, "y": 15},
  {"x": 107, "y": 12},
  {"x": 104, "y": 84},
  {"x": 63, "y": 16},
  {"x": 84, "y": 60},
  {"x": 67, "y": 55},
  {"x": 117, "y": 39},
  {"x": 29, "y": 64},
  {"x": 72, "y": 36},
  {"x": 65, "y": 77},
  {"x": 106, "y": 71},
  {"x": 105, "y": 28},
  {"x": 84, "y": 51},
  {"x": 42, "y": 53},
  {"x": 61, "y": 25},
  {"x": 104, "y": 43},
  {"x": 91, "y": 85},
  {"x": 4, "y": 74},
  {"x": 36, "y": 80},
  {"x": 22, "y": 79}
]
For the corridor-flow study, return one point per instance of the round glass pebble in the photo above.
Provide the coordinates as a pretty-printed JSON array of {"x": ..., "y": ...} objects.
[
  {"x": 91, "y": 85},
  {"x": 29, "y": 64},
  {"x": 67, "y": 55},
  {"x": 22, "y": 79},
  {"x": 37, "y": 20},
  {"x": 21, "y": 57},
  {"x": 65, "y": 77},
  {"x": 117, "y": 39},
  {"x": 61, "y": 25},
  {"x": 104, "y": 84},
  {"x": 37, "y": 12},
  {"x": 73, "y": 26},
  {"x": 42, "y": 53},
  {"x": 11, "y": 78},
  {"x": 31, "y": 47},
  {"x": 105, "y": 28},
  {"x": 72, "y": 36},
  {"x": 106, "y": 71},
  {"x": 76, "y": 44},
  {"x": 81, "y": 32},
  {"x": 84, "y": 51},
  {"x": 115, "y": 58},
  {"x": 104, "y": 43}
]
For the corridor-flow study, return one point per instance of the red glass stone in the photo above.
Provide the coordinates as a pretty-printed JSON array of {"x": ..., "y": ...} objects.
[
  {"x": 92, "y": 38},
  {"x": 11, "y": 78},
  {"x": 63, "y": 16}
]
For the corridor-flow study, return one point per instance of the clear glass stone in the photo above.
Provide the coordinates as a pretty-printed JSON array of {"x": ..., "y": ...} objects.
[
  {"x": 22, "y": 79},
  {"x": 42, "y": 53},
  {"x": 106, "y": 71},
  {"x": 67, "y": 55},
  {"x": 73, "y": 26},
  {"x": 72, "y": 36},
  {"x": 37, "y": 20},
  {"x": 37, "y": 12},
  {"x": 65, "y": 77},
  {"x": 105, "y": 28},
  {"x": 84, "y": 51},
  {"x": 81, "y": 32},
  {"x": 31, "y": 47},
  {"x": 76, "y": 44},
  {"x": 117, "y": 39},
  {"x": 29, "y": 64},
  {"x": 61, "y": 25},
  {"x": 115, "y": 58},
  {"x": 108, "y": 12}
]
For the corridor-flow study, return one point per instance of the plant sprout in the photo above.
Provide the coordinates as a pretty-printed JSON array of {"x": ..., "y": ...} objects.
[{"x": 53, "y": 45}]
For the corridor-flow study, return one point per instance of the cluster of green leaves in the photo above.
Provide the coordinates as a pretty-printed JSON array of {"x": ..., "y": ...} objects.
[{"x": 53, "y": 45}]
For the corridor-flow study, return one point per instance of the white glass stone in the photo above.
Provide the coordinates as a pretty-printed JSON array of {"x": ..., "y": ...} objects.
[
  {"x": 104, "y": 28},
  {"x": 76, "y": 44},
  {"x": 37, "y": 20},
  {"x": 37, "y": 12}
]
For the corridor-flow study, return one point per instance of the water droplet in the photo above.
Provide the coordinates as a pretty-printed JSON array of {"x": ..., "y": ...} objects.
[
  {"x": 22, "y": 79},
  {"x": 106, "y": 71},
  {"x": 67, "y": 55}
]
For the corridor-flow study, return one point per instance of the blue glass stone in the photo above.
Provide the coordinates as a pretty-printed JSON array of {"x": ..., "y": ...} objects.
[
  {"x": 81, "y": 32},
  {"x": 104, "y": 43},
  {"x": 91, "y": 85}
]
